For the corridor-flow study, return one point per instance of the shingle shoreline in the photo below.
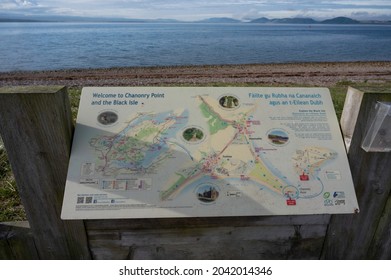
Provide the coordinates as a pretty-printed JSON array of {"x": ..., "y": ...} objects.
[{"x": 314, "y": 74}]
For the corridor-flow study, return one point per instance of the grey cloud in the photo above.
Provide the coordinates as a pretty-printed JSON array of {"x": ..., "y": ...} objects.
[{"x": 197, "y": 9}]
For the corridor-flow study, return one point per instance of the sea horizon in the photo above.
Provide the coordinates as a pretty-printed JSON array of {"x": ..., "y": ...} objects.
[{"x": 79, "y": 45}]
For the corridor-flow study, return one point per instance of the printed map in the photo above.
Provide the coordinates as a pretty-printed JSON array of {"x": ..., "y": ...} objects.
[{"x": 177, "y": 152}]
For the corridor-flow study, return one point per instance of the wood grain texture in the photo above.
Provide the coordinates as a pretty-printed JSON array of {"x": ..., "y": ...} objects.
[
  {"x": 209, "y": 238},
  {"x": 351, "y": 236},
  {"x": 380, "y": 247},
  {"x": 37, "y": 134},
  {"x": 17, "y": 242},
  {"x": 134, "y": 224},
  {"x": 256, "y": 237}
]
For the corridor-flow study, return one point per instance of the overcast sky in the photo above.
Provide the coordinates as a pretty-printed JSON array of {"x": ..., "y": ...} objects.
[{"x": 201, "y": 9}]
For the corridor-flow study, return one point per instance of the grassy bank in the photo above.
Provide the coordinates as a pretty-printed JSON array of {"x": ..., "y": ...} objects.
[{"x": 11, "y": 208}]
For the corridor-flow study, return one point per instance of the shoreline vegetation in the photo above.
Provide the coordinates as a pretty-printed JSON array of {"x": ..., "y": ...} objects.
[{"x": 336, "y": 76}]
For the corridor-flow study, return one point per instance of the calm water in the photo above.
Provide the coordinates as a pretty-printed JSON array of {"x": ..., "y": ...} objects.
[{"x": 44, "y": 46}]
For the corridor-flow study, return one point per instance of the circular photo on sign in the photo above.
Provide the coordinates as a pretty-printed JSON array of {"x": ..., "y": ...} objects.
[
  {"x": 278, "y": 137},
  {"x": 107, "y": 117},
  {"x": 193, "y": 135},
  {"x": 207, "y": 193},
  {"x": 229, "y": 102},
  {"x": 290, "y": 192}
]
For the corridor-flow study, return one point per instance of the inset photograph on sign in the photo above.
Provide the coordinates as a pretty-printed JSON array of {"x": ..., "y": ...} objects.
[
  {"x": 278, "y": 137},
  {"x": 207, "y": 193},
  {"x": 193, "y": 134},
  {"x": 107, "y": 118},
  {"x": 291, "y": 192},
  {"x": 229, "y": 102}
]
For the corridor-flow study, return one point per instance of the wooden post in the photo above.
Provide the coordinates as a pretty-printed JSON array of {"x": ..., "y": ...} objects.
[
  {"x": 381, "y": 245},
  {"x": 36, "y": 127},
  {"x": 17, "y": 242},
  {"x": 353, "y": 236}
]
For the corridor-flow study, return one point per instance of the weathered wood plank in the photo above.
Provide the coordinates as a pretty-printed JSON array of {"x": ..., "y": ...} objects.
[
  {"x": 381, "y": 244},
  {"x": 17, "y": 242},
  {"x": 5, "y": 248},
  {"x": 350, "y": 236},
  {"x": 261, "y": 237},
  {"x": 37, "y": 136},
  {"x": 134, "y": 224},
  {"x": 225, "y": 242},
  {"x": 106, "y": 249},
  {"x": 204, "y": 235},
  {"x": 244, "y": 250}
]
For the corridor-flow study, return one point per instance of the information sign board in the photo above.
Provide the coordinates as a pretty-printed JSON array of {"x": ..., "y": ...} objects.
[{"x": 155, "y": 152}]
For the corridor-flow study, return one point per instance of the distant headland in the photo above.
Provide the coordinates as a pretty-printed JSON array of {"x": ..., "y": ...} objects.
[{"x": 220, "y": 20}]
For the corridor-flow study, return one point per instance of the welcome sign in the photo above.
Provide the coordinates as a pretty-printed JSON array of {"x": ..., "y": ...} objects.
[{"x": 150, "y": 152}]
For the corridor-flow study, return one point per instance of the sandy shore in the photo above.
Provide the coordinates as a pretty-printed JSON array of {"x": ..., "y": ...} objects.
[{"x": 315, "y": 74}]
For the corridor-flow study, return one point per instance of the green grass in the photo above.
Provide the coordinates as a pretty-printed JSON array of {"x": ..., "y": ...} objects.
[
  {"x": 74, "y": 98},
  {"x": 11, "y": 208}
]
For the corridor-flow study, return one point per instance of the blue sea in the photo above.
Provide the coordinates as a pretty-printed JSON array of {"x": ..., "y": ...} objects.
[{"x": 53, "y": 46}]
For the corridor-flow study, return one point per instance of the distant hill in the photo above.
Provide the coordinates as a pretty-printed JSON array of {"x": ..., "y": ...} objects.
[
  {"x": 219, "y": 20},
  {"x": 17, "y": 20},
  {"x": 340, "y": 20},
  {"x": 263, "y": 20},
  {"x": 295, "y": 20},
  {"x": 379, "y": 22},
  {"x": 337, "y": 20},
  {"x": 260, "y": 20},
  {"x": 285, "y": 20},
  {"x": 23, "y": 18}
]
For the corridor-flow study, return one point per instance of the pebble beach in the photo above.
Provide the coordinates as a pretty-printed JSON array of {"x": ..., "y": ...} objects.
[{"x": 309, "y": 74}]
